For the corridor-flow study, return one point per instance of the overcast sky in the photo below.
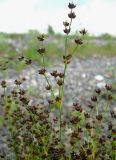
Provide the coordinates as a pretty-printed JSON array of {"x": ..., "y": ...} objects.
[{"x": 97, "y": 16}]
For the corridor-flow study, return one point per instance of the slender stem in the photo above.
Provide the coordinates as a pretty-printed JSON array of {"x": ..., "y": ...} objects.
[
  {"x": 96, "y": 108},
  {"x": 43, "y": 61},
  {"x": 62, "y": 93},
  {"x": 61, "y": 125},
  {"x": 65, "y": 68},
  {"x": 52, "y": 92},
  {"x": 59, "y": 91},
  {"x": 70, "y": 151},
  {"x": 66, "y": 40},
  {"x": 74, "y": 50},
  {"x": 105, "y": 111}
]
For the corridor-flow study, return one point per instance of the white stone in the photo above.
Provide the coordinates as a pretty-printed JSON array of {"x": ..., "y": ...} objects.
[
  {"x": 83, "y": 75},
  {"x": 99, "y": 77}
]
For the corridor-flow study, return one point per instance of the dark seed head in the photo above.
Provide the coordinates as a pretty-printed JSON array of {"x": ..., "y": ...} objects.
[
  {"x": 41, "y": 37},
  {"x": 94, "y": 98},
  {"x": 110, "y": 97},
  {"x": 41, "y": 50},
  {"x": 99, "y": 117},
  {"x": 48, "y": 87},
  {"x": 42, "y": 71},
  {"x": 3, "y": 84},
  {"x": 60, "y": 82},
  {"x": 72, "y": 15},
  {"x": 79, "y": 41},
  {"x": 28, "y": 61},
  {"x": 83, "y": 32},
  {"x": 67, "y": 30},
  {"x": 71, "y": 5},
  {"x": 98, "y": 91},
  {"x": 66, "y": 24},
  {"x": 108, "y": 87},
  {"x": 77, "y": 107}
]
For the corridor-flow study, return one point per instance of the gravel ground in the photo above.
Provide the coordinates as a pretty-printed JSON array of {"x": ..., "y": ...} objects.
[{"x": 83, "y": 75}]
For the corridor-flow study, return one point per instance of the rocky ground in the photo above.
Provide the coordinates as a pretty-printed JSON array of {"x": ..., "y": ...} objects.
[{"x": 83, "y": 75}]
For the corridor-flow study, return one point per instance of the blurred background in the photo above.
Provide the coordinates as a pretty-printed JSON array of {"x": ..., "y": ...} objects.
[{"x": 22, "y": 20}]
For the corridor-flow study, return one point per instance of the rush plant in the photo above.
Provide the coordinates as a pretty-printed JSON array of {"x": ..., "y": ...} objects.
[{"x": 36, "y": 134}]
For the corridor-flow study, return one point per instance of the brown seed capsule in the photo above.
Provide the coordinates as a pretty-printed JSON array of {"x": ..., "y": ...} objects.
[
  {"x": 42, "y": 71},
  {"x": 83, "y": 32},
  {"x": 75, "y": 120},
  {"x": 67, "y": 58},
  {"x": 60, "y": 82},
  {"x": 94, "y": 98},
  {"x": 99, "y": 117},
  {"x": 48, "y": 87},
  {"x": 87, "y": 115},
  {"x": 58, "y": 99},
  {"x": 22, "y": 92},
  {"x": 41, "y": 50},
  {"x": 55, "y": 120},
  {"x": 20, "y": 58},
  {"x": 61, "y": 75},
  {"x": 108, "y": 87},
  {"x": 14, "y": 93},
  {"x": 77, "y": 107},
  {"x": 71, "y": 5},
  {"x": 50, "y": 101},
  {"x": 23, "y": 79},
  {"x": 113, "y": 131},
  {"x": 28, "y": 61},
  {"x": 3, "y": 84},
  {"x": 98, "y": 91},
  {"x": 89, "y": 151},
  {"x": 110, "y": 97},
  {"x": 71, "y": 15},
  {"x": 110, "y": 126},
  {"x": 66, "y": 24},
  {"x": 102, "y": 139},
  {"x": 89, "y": 127},
  {"x": 113, "y": 114},
  {"x": 17, "y": 82},
  {"x": 75, "y": 134},
  {"x": 90, "y": 105},
  {"x": 54, "y": 73},
  {"x": 79, "y": 41},
  {"x": 80, "y": 130},
  {"x": 41, "y": 37},
  {"x": 67, "y": 30}
]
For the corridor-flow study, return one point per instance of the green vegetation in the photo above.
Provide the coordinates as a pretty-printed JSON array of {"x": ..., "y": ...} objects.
[{"x": 12, "y": 45}]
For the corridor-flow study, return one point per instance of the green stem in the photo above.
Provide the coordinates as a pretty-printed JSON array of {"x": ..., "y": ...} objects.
[
  {"x": 66, "y": 40},
  {"x": 65, "y": 68},
  {"x": 52, "y": 92},
  {"x": 105, "y": 111},
  {"x": 96, "y": 108},
  {"x": 70, "y": 151},
  {"x": 74, "y": 50},
  {"x": 61, "y": 125}
]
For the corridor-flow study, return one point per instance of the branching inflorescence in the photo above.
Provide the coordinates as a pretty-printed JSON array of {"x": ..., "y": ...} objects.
[{"x": 37, "y": 136}]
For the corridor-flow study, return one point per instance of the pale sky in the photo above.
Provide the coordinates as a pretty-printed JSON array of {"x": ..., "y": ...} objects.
[{"x": 97, "y": 16}]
